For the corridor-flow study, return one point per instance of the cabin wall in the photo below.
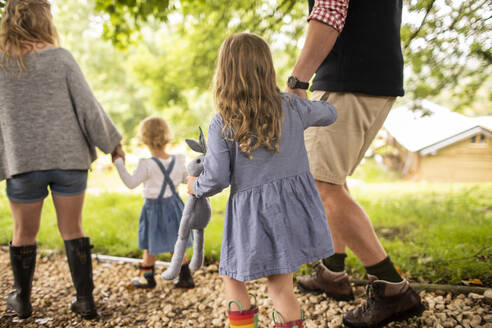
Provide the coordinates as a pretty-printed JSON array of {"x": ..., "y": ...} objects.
[{"x": 464, "y": 161}]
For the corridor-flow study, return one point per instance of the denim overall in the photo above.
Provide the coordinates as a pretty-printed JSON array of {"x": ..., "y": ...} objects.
[{"x": 160, "y": 217}]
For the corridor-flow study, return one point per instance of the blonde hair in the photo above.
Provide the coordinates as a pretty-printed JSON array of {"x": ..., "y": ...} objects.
[
  {"x": 246, "y": 93},
  {"x": 25, "y": 23},
  {"x": 155, "y": 133}
]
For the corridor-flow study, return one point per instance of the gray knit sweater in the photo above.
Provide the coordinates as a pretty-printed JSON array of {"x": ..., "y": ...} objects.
[{"x": 49, "y": 117}]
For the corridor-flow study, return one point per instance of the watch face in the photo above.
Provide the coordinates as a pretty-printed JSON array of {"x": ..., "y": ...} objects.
[{"x": 291, "y": 82}]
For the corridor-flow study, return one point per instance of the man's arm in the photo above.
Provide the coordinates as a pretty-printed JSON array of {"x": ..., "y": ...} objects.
[{"x": 325, "y": 23}]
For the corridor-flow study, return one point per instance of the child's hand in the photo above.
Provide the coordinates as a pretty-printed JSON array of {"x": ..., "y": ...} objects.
[
  {"x": 118, "y": 152},
  {"x": 299, "y": 92},
  {"x": 191, "y": 182}
]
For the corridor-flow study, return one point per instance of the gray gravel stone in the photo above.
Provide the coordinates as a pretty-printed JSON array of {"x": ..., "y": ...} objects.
[{"x": 121, "y": 305}]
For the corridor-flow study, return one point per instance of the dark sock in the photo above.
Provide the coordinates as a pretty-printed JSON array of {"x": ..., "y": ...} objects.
[
  {"x": 336, "y": 262},
  {"x": 384, "y": 270}
]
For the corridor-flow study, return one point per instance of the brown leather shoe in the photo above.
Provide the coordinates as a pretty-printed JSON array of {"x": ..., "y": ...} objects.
[
  {"x": 386, "y": 302},
  {"x": 334, "y": 284}
]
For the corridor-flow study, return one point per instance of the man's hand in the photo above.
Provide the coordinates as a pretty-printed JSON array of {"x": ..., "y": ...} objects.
[
  {"x": 299, "y": 92},
  {"x": 118, "y": 152},
  {"x": 191, "y": 182}
]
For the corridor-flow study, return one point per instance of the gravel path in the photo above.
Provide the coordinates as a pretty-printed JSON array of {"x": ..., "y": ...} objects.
[{"x": 120, "y": 305}]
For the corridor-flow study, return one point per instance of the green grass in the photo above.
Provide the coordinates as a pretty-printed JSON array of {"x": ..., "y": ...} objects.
[
  {"x": 436, "y": 232},
  {"x": 111, "y": 220},
  {"x": 370, "y": 172},
  {"x": 442, "y": 233}
]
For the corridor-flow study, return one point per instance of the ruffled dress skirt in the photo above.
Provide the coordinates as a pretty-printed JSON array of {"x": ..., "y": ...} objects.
[
  {"x": 274, "y": 228},
  {"x": 159, "y": 224}
]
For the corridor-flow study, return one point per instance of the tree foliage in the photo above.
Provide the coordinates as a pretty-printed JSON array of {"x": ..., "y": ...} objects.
[
  {"x": 199, "y": 27},
  {"x": 107, "y": 69},
  {"x": 446, "y": 43},
  {"x": 158, "y": 56},
  {"x": 174, "y": 57},
  {"x": 128, "y": 16},
  {"x": 448, "y": 49}
]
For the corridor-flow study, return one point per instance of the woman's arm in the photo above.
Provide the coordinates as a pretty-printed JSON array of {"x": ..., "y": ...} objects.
[
  {"x": 131, "y": 181},
  {"x": 216, "y": 174},
  {"x": 93, "y": 120}
]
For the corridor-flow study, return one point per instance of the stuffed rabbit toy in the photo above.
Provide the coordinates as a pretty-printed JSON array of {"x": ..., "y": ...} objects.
[{"x": 196, "y": 215}]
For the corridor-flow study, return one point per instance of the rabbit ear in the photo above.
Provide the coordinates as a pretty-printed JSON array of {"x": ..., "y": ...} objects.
[
  {"x": 202, "y": 140},
  {"x": 193, "y": 144}
]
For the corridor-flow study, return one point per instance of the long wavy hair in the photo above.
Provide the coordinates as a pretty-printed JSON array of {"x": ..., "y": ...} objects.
[
  {"x": 246, "y": 93},
  {"x": 24, "y": 24}
]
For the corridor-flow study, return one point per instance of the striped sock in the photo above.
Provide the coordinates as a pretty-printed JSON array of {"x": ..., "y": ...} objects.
[
  {"x": 244, "y": 319},
  {"x": 144, "y": 270}
]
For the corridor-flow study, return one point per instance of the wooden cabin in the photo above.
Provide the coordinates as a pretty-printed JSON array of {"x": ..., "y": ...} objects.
[{"x": 431, "y": 143}]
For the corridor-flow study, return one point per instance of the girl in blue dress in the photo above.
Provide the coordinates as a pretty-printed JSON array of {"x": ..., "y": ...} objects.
[
  {"x": 275, "y": 220},
  {"x": 161, "y": 214}
]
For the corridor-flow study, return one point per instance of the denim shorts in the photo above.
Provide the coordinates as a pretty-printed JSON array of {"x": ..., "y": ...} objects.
[{"x": 32, "y": 186}]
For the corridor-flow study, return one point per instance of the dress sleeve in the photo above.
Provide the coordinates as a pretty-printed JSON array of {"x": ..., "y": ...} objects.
[
  {"x": 135, "y": 179},
  {"x": 96, "y": 125},
  {"x": 314, "y": 113},
  {"x": 216, "y": 174}
]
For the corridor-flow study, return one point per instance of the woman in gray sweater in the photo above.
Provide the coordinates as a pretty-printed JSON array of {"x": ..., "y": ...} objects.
[{"x": 50, "y": 124}]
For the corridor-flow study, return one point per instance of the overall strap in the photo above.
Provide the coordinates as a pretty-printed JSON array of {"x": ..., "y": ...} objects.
[{"x": 167, "y": 179}]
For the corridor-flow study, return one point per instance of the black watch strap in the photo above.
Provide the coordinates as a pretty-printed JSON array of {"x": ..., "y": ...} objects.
[{"x": 294, "y": 83}]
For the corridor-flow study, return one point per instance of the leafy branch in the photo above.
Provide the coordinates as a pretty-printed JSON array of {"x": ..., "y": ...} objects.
[
  {"x": 2, "y": 6},
  {"x": 422, "y": 23}
]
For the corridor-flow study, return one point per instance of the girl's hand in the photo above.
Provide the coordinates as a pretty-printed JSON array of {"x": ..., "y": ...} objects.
[
  {"x": 299, "y": 92},
  {"x": 118, "y": 152},
  {"x": 191, "y": 182}
]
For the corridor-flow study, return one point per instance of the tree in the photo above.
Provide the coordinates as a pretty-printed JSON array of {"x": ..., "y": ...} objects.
[
  {"x": 176, "y": 56},
  {"x": 158, "y": 56},
  {"x": 106, "y": 68},
  {"x": 448, "y": 49},
  {"x": 446, "y": 43}
]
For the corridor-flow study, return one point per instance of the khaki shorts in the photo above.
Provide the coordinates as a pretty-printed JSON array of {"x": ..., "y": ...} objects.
[{"x": 335, "y": 151}]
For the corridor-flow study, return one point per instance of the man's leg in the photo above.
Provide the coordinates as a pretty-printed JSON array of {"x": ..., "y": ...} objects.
[
  {"x": 336, "y": 262},
  {"x": 334, "y": 153},
  {"x": 349, "y": 224}
]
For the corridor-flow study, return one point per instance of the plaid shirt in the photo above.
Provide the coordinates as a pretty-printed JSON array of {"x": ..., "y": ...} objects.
[{"x": 330, "y": 12}]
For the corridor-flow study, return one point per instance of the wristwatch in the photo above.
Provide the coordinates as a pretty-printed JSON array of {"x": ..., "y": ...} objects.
[{"x": 294, "y": 83}]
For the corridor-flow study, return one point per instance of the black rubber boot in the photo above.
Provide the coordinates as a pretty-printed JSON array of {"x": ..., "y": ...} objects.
[
  {"x": 23, "y": 261},
  {"x": 185, "y": 280},
  {"x": 79, "y": 260}
]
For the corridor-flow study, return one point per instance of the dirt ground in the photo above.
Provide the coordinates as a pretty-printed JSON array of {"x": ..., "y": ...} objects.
[{"x": 120, "y": 305}]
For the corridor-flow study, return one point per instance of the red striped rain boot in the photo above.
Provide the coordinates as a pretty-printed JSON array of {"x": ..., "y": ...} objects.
[
  {"x": 279, "y": 322},
  {"x": 243, "y": 318}
]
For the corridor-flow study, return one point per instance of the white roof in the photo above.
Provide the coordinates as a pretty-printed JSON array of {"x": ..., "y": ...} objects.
[{"x": 431, "y": 127}]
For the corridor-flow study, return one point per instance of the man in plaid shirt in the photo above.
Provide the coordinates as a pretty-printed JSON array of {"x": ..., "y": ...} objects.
[{"x": 356, "y": 54}]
